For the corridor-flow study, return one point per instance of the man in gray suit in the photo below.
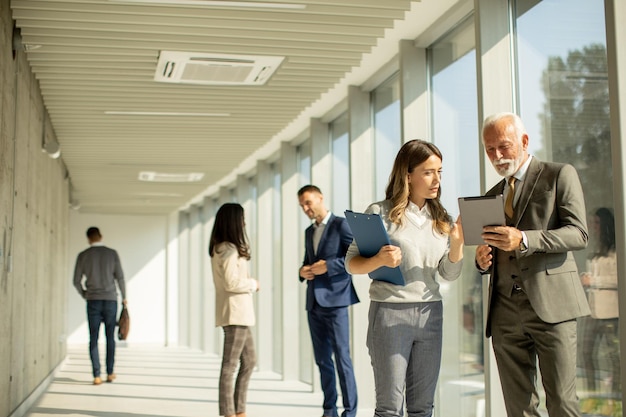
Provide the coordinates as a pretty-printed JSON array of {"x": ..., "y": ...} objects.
[{"x": 535, "y": 293}]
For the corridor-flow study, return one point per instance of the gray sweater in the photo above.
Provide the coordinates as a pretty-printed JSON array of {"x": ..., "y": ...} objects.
[
  {"x": 424, "y": 257},
  {"x": 101, "y": 267}
]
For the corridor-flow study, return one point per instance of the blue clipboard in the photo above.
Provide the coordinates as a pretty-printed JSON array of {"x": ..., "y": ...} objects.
[{"x": 370, "y": 235}]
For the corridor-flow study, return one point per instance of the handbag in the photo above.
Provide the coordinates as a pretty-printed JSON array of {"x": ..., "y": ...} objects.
[{"x": 123, "y": 323}]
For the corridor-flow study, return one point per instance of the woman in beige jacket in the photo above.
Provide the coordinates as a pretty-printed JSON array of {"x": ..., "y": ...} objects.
[{"x": 230, "y": 253}]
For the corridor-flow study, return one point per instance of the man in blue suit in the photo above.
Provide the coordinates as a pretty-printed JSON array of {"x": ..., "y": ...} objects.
[{"x": 329, "y": 293}]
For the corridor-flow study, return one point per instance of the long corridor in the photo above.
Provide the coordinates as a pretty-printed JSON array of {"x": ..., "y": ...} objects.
[{"x": 165, "y": 382}]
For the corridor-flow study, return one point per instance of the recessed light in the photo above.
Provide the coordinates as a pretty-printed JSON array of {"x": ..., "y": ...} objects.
[
  {"x": 164, "y": 113},
  {"x": 211, "y": 3},
  {"x": 160, "y": 195},
  {"x": 168, "y": 177}
]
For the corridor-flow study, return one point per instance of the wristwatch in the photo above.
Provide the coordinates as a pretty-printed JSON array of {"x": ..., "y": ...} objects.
[{"x": 522, "y": 246}]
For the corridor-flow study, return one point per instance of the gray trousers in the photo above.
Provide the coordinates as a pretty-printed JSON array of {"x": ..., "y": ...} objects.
[
  {"x": 238, "y": 351},
  {"x": 404, "y": 342}
]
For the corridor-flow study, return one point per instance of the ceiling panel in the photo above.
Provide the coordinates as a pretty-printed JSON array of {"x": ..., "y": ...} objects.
[{"x": 97, "y": 56}]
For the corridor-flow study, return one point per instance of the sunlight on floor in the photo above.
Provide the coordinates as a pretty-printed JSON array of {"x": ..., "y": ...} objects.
[{"x": 165, "y": 382}]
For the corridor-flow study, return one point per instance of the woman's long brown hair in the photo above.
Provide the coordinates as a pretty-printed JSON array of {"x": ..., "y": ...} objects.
[
  {"x": 229, "y": 227},
  {"x": 410, "y": 155}
]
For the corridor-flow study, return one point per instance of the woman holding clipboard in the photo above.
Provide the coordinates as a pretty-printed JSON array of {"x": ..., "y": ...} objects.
[{"x": 404, "y": 336}]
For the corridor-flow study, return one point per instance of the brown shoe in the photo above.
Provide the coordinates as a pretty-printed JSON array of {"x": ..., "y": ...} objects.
[
  {"x": 97, "y": 381},
  {"x": 111, "y": 377}
]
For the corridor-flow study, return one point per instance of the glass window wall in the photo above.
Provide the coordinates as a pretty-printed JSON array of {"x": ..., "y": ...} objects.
[
  {"x": 563, "y": 95},
  {"x": 340, "y": 143},
  {"x": 455, "y": 131},
  {"x": 387, "y": 132}
]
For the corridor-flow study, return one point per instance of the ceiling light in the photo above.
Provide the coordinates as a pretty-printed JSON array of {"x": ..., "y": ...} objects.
[
  {"x": 52, "y": 148},
  {"x": 18, "y": 42},
  {"x": 164, "y": 113},
  {"x": 160, "y": 195},
  {"x": 211, "y": 3},
  {"x": 168, "y": 177}
]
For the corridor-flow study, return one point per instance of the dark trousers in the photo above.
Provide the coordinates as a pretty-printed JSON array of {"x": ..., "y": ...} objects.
[
  {"x": 99, "y": 311},
  {"x": 330, "y": 334},
  {"x": 520, "y": 339}
]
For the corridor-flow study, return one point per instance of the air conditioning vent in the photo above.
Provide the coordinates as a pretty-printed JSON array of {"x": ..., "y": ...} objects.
[{"x": 215, "y": 69}]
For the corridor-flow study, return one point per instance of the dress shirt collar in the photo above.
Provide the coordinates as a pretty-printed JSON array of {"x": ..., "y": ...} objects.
[
  {"x": 97, "y": 244},
  {"x": 417, "y": 215},
  {"x": 521, "y": 172},
  {"x": 324, "y": 220},
  {"x": 414, "y": 208}
]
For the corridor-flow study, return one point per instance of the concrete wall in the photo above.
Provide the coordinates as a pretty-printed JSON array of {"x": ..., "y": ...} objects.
[{"x": 34, "y": 197}]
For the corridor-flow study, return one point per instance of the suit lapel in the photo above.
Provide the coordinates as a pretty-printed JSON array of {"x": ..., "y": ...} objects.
[
  {"x": 309, "y": 242},
  {"x": 331, "y": 219},
  {"x": 497, "y": 189}
]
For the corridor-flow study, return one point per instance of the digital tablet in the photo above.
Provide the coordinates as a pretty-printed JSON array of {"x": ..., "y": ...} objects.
[
  {"x": 477, "y": 212},
  {"x": 370, "y": 235}
]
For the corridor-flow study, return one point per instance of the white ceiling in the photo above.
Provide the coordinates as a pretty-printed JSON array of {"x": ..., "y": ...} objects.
[{"x": 97, "y": 56}]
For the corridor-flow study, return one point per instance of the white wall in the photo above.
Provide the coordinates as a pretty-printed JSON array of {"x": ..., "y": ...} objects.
[{"x": 141, "y": 242}]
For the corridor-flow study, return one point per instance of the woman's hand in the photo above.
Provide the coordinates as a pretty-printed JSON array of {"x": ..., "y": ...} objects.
[
  {"x": 456, "y": 234},
  {"x": 585, "y": 279},
  {"x": 390, "y": 256},
  {"x": 456, "y": 241}
]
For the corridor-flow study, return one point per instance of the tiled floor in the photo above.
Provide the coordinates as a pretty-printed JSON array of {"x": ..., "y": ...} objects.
[
  {"x": 165, "y": 382},
  {"x": 170, "y": 382}
]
